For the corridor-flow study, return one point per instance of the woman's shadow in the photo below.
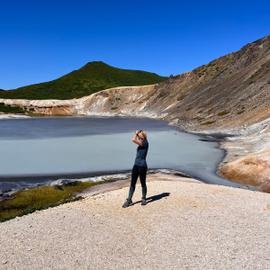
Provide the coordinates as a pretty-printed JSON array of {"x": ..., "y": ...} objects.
[{"x": 154, "y": 197}]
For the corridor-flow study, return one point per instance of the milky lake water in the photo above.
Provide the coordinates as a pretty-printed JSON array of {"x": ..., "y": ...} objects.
[{"x": 38, "y": 149}]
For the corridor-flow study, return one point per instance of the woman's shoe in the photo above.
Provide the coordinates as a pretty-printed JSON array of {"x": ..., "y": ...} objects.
[
  {"x": 143, "y": 202},
  {"x": 127, "y": 203}
]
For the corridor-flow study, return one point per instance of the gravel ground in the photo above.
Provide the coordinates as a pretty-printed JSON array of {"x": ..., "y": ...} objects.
[{"x": 185, "y": 225}]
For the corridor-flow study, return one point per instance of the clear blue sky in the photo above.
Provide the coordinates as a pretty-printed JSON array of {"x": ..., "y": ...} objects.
[{"x": 42, "y": 40}]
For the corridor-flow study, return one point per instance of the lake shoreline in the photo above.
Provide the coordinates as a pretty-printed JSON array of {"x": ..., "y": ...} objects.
[
  {"x": 100, "y": 177},
  {"x": 218, "y": 138},
  {"x": 29, "y": 200},
  {"x": 112, "y": 178},
  {"x": 241, "y": 156}
]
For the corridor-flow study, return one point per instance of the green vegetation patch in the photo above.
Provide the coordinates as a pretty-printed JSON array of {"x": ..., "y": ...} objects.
[
  {"x": 10, "y": 109},
  {"x": 223, "y": 113},
  {"x": 180, "y": 98},
  {"x": 91, "y": 78},
  {"x": 240, "y": 112},
  {"x": 27, "y": 201},
  {"x": 209, "y": 122}
]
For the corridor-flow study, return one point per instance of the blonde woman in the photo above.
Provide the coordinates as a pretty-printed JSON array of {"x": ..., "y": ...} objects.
[{"x": 139, "y": 168}]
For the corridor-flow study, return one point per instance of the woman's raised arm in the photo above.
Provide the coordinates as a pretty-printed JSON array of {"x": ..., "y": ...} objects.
[{"x": 136, "y": 139}]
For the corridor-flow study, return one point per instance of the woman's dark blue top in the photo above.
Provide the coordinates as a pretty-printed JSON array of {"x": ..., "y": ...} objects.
[{"x": 142, "y": 150}]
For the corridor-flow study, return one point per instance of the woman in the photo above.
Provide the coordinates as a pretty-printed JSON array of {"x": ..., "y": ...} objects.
[{"x": 139, "y": 168}]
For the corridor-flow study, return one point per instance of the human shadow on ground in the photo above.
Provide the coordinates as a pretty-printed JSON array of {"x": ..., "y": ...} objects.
[{"x": 154, "y": 198}]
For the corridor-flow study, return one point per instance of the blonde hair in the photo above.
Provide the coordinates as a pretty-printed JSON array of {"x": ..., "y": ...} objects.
[{"x": 144, "y": 134}]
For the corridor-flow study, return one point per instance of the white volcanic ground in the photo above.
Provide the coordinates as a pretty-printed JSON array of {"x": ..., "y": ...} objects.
[{"x": 185, "y": 225}]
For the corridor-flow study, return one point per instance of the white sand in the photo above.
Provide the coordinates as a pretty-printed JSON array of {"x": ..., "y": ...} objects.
[{"x": 198, "y": 226}]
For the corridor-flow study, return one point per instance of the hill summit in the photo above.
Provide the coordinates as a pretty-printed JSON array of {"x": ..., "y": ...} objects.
[{"x": 92, "y": 77}]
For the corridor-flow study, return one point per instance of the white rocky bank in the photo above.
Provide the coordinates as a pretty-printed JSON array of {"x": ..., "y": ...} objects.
[{"x": 126, "y": 101}]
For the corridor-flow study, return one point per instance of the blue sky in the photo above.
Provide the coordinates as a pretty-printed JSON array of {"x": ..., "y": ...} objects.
[{"x": 42, "y": 40}]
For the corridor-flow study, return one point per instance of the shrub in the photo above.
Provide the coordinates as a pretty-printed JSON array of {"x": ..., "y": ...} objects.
[
  {"x": 10, "y": 109},
  {"x": 223, "y": 113},
  {"x": 27, "y": 201},
  {"x": 209, "y": 122}
]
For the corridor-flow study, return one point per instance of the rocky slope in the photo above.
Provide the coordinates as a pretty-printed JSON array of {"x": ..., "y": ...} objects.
[{"x": 229, "y": 95}]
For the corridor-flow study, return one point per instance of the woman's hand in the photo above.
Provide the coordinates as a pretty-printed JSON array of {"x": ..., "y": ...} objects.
[{"x": 136, "y": 139}]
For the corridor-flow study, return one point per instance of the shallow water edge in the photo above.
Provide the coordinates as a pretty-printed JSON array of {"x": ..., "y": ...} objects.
[{"x": 50, "y": 179}]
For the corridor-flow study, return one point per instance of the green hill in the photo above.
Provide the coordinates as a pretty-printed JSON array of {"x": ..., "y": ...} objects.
[{"x": 92, "y": 77}]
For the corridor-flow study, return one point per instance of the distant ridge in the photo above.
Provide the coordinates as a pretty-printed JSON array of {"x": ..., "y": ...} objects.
[{"x": 92, "y": 77}]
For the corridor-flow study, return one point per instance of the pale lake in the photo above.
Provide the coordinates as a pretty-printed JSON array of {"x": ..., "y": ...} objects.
[{"x": 38, "y": 150}]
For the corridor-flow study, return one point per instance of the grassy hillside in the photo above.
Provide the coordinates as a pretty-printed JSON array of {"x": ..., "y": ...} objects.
[{"x": 92, "y": 77}]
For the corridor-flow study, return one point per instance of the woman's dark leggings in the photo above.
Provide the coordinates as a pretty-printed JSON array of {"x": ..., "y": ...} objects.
[{"x": 138, "y": 171}]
